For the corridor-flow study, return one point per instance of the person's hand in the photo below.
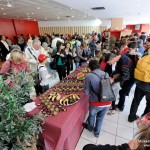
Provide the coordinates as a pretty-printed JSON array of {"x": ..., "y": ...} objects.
[
  {"x": 70, "y": 53},
  {"x": 111, "y": 80},
  {"x": 133, "y": 144},
  {"x": 7, "y": 81},
  {"x": 62, "y": 55}
]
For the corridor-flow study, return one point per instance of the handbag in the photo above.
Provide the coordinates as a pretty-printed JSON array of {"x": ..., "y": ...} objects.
[
  {"x": 53, "y": 65},
  {"x": 106, "y": 93}
]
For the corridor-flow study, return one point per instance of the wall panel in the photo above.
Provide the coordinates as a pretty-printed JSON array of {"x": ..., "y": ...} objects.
[{"x": 71, "y": 30}]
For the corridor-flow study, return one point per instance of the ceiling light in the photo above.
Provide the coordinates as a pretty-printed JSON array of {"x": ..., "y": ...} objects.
[
  {"x": 58, "y": 18},
  {"x": 71, "y": 8},
  {"x": 38, "y": 7},
  {"x": 85, "y": 16},
  {"x": 72, "y": 16},
  {"x": 4, "y": 13},
  {"x": 32, "y": 13},
  {"x": 138, "y": 5},
  {"x": 45, "y": 18},
  {"x": 9, "y": 5},
  {"x": 2, "y": 8}
]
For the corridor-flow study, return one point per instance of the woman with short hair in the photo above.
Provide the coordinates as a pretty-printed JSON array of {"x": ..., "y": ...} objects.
[{"x": 16, "y": 63}]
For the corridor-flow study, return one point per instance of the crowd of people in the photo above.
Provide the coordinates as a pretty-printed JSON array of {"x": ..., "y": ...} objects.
[{"x": 58, "y": 53}]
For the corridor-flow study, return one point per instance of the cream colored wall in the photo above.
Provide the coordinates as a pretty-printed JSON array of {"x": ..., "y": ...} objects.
[
  {"x": 116, "y": 23},
  {"x": 72, "y": 29}
]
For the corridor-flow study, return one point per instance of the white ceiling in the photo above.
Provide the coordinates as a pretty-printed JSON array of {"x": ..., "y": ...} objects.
[
  {"x": 133, "y": 11},
  {"x": 40, "y": 10}
]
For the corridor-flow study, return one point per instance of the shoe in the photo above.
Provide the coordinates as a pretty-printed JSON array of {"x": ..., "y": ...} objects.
[
  {"x": 111, "y": 112},
  {"x": 119, "y": 109},
  {"x": 133, "y": 119},
  {"x": 96, "y": 135},
  {"x": 85, "y": 125}
]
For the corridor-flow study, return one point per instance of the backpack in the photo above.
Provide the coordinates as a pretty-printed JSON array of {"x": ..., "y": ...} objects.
[
  {"x": 142, "y": 70},
  {"x": 37, "y": 80},
  {"x": 106, "y": 93}
]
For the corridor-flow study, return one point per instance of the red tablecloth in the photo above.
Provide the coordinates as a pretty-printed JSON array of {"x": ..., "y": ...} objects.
[{"x": 63, "y": 131}]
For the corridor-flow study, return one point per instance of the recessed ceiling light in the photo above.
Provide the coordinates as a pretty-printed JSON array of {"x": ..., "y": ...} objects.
[
  {"x": 85, "y": 16},
  {"x": 71, "y": 8},
  {"x": 58, "y": 18},
  {"x": 45, "y": 18},
  {"x": 72, "y": 16},
  {"x": 138, "y": 5},
  {"x": 4, "y": 13},
  {"x": 38, "y": 7},
  {"x": 2, "y": 8},
  {"x": 32, "y": 13}
]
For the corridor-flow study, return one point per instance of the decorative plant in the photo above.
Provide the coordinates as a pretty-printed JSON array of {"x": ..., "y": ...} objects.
[
  {"x": 17, "y": 131},
  {"x": 112, "y": 42}
]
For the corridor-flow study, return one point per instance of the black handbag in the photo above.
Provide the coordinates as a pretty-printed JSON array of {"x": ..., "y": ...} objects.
[
  {"x": 106, "y": 93},
  {"x": 53, "y": 65}
]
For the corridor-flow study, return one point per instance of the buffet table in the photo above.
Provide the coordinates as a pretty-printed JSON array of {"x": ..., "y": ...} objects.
[{"x": 62, "y": 132}]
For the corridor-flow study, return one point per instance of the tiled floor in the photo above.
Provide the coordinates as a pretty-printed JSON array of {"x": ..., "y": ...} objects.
[{"x": 116, "y": 129}]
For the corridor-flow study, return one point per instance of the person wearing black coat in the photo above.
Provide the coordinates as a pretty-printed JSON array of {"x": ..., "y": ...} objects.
[
  {"x": 4, "y": 48},
  {"x": 69, "y": 58},
  {"x": 60, "y": 59}
]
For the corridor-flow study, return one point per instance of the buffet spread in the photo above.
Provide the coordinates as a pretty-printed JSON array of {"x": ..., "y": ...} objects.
[{"x": 64, "y": 94}]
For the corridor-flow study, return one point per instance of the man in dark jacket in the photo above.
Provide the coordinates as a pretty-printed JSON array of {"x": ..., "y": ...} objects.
[{"x": 124, "y": 73}]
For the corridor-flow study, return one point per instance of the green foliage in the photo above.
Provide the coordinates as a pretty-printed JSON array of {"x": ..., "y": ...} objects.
[{"x": 16, "y": 129}]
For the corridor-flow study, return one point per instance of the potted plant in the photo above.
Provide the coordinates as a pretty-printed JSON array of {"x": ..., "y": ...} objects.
[{"x": 17, "y": 130}]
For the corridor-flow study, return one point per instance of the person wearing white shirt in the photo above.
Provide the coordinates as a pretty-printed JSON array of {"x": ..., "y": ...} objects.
[
  {"x": 44, "y": 76},
  {"x": 32, "y": 53},
  {"x": 54, "y": 41}
]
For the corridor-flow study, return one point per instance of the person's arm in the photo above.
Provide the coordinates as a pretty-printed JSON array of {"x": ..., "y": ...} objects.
[
  {"x": 87, "y": 85},
  {"x": 107, "y": 147},
  {"x": 44, "y": 74},
  {"x": 80, "y": 55}
]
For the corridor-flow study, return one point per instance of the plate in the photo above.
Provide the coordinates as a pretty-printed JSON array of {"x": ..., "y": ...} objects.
[{"x": 69, "y": 100}]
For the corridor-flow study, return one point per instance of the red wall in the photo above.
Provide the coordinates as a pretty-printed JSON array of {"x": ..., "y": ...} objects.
[
  {"x": 143, "y": 28},
  {"x": 13, "y": 27},
  {"x": 7, "y": 28}
]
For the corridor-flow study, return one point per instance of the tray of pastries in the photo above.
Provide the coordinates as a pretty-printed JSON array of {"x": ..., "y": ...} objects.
[
  {"x": 54, "y": 96},
  {"x": 69, "y": 100}
]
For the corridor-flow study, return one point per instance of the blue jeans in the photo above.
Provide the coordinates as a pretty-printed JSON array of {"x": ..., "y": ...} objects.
[{"x": 97, "y": 113}]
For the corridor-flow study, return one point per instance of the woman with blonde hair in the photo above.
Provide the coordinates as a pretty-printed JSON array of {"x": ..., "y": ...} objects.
[{"x": 16, "y": 63}]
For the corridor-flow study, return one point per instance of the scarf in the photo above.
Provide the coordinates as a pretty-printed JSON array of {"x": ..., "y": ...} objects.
[{"x": 5, "y": 44}]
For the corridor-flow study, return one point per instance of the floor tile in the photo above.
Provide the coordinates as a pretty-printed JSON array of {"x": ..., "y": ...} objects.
[
  {"x": 113, "y": 118},
  {"x": 106, "y": 138},
  {"x": 89, "y": 136},
  {"x": 123, "y": 120},
  {"x": 109, "y": 126},
  {"x": 125, "y": 132},
  {"x": 81, "y": 143},
  {"x": 120, "y": 140}
]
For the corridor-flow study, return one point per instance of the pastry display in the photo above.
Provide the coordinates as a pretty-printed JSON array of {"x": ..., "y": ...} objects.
[
  {"x": 86, "y": 70},
  {"x": 48, "y": 108},
  {"x": 69, "y": 100},
  {"x": 54, "y": 96},
  {"x": 80, "y": 76}
]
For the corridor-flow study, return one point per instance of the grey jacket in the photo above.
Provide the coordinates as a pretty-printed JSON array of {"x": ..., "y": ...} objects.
[
  {"x": 79, "y": 54},
  {"x": 92, "y": 82}
]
